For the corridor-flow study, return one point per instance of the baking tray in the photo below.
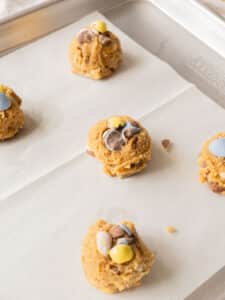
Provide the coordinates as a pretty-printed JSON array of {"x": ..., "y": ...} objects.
[
  {"x": 137, "y": 11},
  {"x": 163, "y": 27}
]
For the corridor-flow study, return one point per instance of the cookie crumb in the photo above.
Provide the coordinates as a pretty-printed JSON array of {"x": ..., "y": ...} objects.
[
  {"x": 166, "y": 144},
  {"x": 171, "y": 229}
]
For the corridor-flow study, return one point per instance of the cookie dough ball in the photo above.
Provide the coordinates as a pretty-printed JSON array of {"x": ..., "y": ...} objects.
[
  {"x": 211, "y": 163},
  {"x": 95, "y": 52},
  {"x": 114, "y": 258},
  {"x": 121, "y": 144},
  {"x": 11, "y": 115}
]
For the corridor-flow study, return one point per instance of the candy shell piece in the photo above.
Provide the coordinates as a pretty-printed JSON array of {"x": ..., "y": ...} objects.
[
  {"x": 123, "y": 241},
  {"x": 5, "y": 102},
  {"x": 121, "y": 254},
  {"x": 126, "y": 229},
  {"x": 103, "y": 242},
  {"x": 126, "y": 240},
  {"x": 100, "y": 26},
  {"x": 217, "y": 147}
]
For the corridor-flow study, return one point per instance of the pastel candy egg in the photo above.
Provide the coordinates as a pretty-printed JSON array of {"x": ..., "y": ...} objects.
[
  {"x": 5, "y": 102},
  {"x": 113, "y": 140},
  {"x": 121, "y": 253},
  {"x": 100, "y": 26},
  {"x": 103, "y": 242},
  {"x": 85, "y": 36},
  {"x": 217, "y": 147}
]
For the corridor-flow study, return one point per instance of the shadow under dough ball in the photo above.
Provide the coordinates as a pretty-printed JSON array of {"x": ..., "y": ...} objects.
[{"x": 95, "y": 52}]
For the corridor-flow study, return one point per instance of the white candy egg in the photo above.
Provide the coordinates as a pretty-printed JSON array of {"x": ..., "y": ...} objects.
[{"x": 103, "y": 242}]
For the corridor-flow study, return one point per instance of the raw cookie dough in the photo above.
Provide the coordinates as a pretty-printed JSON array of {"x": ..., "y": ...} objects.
[
  {"x": 114, "y": 258},
  {"x": 95, "y": 52},
  {"x": 121, "y": 144},
  {"x": 11, "y": 115},
  {"x": 211, "y": 163}
]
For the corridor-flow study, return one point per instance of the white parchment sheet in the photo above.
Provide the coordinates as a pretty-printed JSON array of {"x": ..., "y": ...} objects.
[
  {"x": 61, "y": 106},
  {"x": 42, "y": 224}
]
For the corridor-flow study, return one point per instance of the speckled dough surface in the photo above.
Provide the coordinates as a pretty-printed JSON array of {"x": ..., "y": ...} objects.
[
  {"x": 108, "y": 276},
  {"x": 211, "y": 166},
  {"x": 11, "y": 119},
  {"x": 94, "y": 54},
  {"x": 131, "y": 158}
]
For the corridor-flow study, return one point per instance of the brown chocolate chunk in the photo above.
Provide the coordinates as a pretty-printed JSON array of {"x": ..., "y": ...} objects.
[
  {"x": 215, "y": 187},
  {"x": 91, "y": 153},
  {"x": 104, "y": 40},
  {"x": 116, "y": 231},
  {"x": 85, "y": 36},
  {"x": 166, "y": 144},
  {"x": 128, "y": 133},
  {"x": 135, "y": 142}
]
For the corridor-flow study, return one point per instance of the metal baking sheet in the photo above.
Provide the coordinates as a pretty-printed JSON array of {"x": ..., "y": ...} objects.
[
  {"x": 169, "y": 35},
  {"x": 166, "y": 24}
]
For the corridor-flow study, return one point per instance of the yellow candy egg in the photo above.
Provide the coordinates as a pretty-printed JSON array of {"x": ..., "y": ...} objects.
[
  {"x": 121, "y": 253},
  {"x": 2, "y": 88},
  {"x": 116, "y": 122},
  {"x": 100, "y": 26}
]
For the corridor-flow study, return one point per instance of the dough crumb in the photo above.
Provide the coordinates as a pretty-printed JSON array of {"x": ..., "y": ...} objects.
[{"x": 171, "y": 229}]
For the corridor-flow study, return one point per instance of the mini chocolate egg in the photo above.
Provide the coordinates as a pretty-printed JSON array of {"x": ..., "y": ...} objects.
[
  {"x": 217, "y": 147},
  {"x": 121, "y": 254},
  {"x": 113, "y": 140},
  {"x": 126, "y": 229},
  {"x": 103, "y": 242},
  {"x": 5, "y": 102},
  {"x": 85, "y": 36},
  {"x": 130, "y": 130}
]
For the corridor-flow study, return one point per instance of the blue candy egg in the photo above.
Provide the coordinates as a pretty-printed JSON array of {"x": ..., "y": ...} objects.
[
  {"x": 5, "y": 102},
  {"x": 217, "y": 147}
]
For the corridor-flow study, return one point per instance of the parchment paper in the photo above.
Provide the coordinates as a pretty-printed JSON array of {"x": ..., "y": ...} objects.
[
  {"x": 61, "y": 106},
  {"x": 42, "y": 225}
]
